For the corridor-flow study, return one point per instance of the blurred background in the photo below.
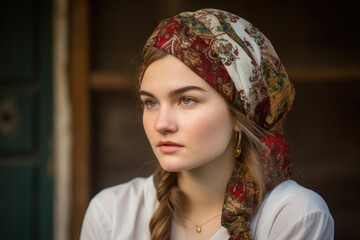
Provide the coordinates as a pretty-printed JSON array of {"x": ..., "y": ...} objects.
[{"x": 70, "y": 124}]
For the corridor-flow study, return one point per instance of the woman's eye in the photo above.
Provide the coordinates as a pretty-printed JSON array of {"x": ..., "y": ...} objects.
[
  {"x": 150, "y": 103},
  {"x": 187, "y": 101}
]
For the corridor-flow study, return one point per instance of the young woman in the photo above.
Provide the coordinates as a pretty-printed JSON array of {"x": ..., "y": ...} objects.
[{"x": 215, "y": 97}]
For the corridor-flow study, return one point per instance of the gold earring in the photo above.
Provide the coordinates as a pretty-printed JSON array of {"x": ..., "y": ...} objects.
[{"x": 238, "y": 147}]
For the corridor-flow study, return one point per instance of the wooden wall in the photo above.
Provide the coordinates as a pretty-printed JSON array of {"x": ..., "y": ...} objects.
[{"x": 317, "y": 44}]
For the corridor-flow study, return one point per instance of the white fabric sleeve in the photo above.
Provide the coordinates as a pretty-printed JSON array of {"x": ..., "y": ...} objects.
[
  {"x": 315, "y": 225},
  {"x": 292, "y": 212},
  {"x": 120, "y": 212},
  {"x": 96, "y": 224}
]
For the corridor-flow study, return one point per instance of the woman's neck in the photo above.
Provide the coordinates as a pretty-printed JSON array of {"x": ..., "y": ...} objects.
[{"x": 205, "y": 188}]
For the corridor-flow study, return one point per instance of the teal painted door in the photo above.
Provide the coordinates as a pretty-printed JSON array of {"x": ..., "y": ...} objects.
[{"x": 26, "y": 181}]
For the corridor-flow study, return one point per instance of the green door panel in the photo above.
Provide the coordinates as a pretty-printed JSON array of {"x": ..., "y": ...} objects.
[
  {"x": 16, "y": 122},
  {"x": 17, "y": 41},
  {"x": 26, "y": 109},
  {"x": 17, "y": 202}
]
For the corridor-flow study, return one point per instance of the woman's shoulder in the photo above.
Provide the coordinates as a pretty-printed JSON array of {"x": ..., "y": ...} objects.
[
  {"x": 136, "y": 187},
  {"x": 120, "y": 209},
  {"x": 290, "y": 193},
  {"x": 291, "y": 210},
  {"x": 129, "y": 196}
]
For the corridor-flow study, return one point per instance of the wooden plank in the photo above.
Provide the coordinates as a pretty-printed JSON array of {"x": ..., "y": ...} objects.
[
  {"x": 117, "y": 81},
  {"x": 325, "y": 74},
  {"x": 79, "y": 68},
  {"x": 109, "y": 81},
  {"x": 62, "y": 163}
]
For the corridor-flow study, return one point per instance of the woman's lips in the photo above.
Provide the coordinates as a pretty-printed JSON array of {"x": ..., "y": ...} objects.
[{"x": 168, "y": 146}]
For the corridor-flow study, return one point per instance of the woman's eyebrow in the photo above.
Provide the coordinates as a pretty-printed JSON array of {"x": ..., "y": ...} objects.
[
  {"x": 186, "y": 89},
  {"x": 174, "y": 92},
  {"x": 146, "y": 93}
]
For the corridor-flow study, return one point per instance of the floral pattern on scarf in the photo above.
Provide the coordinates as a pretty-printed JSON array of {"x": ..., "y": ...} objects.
[{"x": 234, "y": 57}]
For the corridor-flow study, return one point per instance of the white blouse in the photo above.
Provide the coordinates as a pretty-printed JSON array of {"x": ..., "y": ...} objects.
[{"x": 289, "y": 211}]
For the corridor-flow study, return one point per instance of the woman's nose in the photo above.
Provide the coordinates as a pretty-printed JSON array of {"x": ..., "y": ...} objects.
[{"x": 165, "y": 121}]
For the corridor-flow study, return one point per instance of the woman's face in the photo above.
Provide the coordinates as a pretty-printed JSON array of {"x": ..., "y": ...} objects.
[{"x": 186, "y": 121}]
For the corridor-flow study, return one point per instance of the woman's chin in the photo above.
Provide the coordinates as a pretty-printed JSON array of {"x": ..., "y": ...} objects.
[{"x": 173, "y": 165}]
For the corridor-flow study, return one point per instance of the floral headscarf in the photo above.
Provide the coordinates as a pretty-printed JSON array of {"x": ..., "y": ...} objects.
[{"x": 237, "y": 60}]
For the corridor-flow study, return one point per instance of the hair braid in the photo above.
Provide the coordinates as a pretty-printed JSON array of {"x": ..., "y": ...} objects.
[{"x": 170, "y": 199}]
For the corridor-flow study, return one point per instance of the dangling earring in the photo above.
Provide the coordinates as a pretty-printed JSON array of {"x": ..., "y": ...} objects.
[{"x": 238, "y": 147}]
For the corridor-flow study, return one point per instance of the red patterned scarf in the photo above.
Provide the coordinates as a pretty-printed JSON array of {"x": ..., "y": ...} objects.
[{"x": 241, "y": 197}]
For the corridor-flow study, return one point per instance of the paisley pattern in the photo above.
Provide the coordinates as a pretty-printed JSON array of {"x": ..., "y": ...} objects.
[
  {"x": 232, "y": 56},
  {"x": 241, "y": 197},
  {"x": 237, "y": 60}
]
